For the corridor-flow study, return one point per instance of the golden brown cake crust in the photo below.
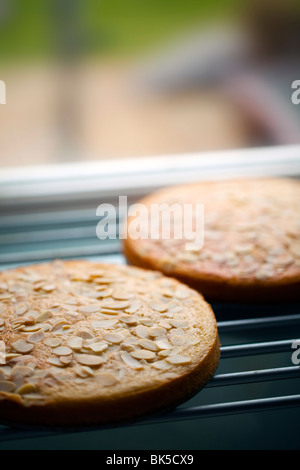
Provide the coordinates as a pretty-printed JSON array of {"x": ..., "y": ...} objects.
[
  {"x": 251, "y": 249},
  {"x": 89, "y": 343}
]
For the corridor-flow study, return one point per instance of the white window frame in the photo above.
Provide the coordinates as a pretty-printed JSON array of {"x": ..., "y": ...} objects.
[{"x": 107, "y": 179}]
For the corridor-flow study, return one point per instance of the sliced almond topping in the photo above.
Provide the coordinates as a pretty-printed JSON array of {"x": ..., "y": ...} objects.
[
  {"x": 27, "y": 320},
  {"x": 49, "y": 288},
  {"x": 158, "y": 307},
  {"x": 50, "y": 381},
  {"x": 98, "y": 347},
  {"x": 148, "y": 344},
  {"x": 104, "y": 323},
  {"x": 106, "y": 379},
  {"x": 120, "y": 295},
  {"x": 117, "y": 305},
  {"x": 182, "y": 293},
  {"x": 55, "y": 361},
  {"x": 52, "y": 342},
  {"x": 87, "y": 342},
  {"x": 143, "y": 354},
  {"x": 163, "y": 344},
  {"x": 83, "y": 371},
  {"x": 12, "y": 356},
  {"x": 146, "y": 321},
  {"x": 127, "y": 347},
  {"x": 69, "y": 302},
  {"x": 165, "y": 324},
  {"x": 103, "y": 294},
  {"x": 174, "y": 308},
  {"x": 130, "y": 361},
  {"x": 45, "y": 327},
  {"x": 167, "y": 292},
  {"x": 31, "y": 328},
  {"x": 128, "y": 319},
  {"x": 62, "y": 351},
  {"x": 22, "y": 346},
  {"x": 178, "y": 323},
  {"x": 55, "y": 305},
  {"x": 114, "y": 338},
  {"x": 178, "y": 359},
  {"x": 244, "y": 249},
  {"x": 109, "y": 311},
  {"x": 85, "y": 334},
  {"x": 66, "y": 360},
  {"x": 88, "y": 371},
  {"x": 38, "y": 285},
  {"x": 80, "y": 372},
  {"x": 22, "y": 308},
  {"x": 44, "y": 316},
  {"x": 142, "y": 331},
  {"x": 157, "y": 331},
  {"x": 6, "y": 370},
  {"x": 61, "y": 375},
  {"x": 22, "y": 371},
  {"x": 6, "y": 296},
  {"x": 66, "y": 327},
  {"x": 75, "y": 343},
  {"x": 89, "y": 360},
  {"x": 33, "y": 398},
  {"x": 161, "y": 365},
  {"x": 36, "y": 337},
  {"x": 59, "y": 324},
  {"x": 6, "y": 386},
  {"x": 89, "y": 308},
  {"x": 134, "y": 307},
  {"x": 40, "y": 373},
  {"x": 26, "y": 388}
]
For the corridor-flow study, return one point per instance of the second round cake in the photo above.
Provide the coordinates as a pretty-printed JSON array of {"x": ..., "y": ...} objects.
[{"x": 251, "y": 250}]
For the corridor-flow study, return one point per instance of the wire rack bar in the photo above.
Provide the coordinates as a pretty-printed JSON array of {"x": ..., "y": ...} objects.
[
  {"x": 262, "y": 322},
  {"x": 60, "y": 234},
  {"x": 254, "y": 376},
  {"x": 256, "y": 348},
  {"x": 230, "y": 408}
]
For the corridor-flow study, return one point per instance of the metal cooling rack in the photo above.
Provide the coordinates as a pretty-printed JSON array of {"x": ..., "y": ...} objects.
[{"x": 256, "y": 340}]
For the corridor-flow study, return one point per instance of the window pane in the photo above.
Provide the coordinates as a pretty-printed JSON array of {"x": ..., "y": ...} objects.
[{"x": 89, "y": 80}]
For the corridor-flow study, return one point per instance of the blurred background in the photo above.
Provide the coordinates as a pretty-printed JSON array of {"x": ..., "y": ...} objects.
[{"x": 105, "y": 79}]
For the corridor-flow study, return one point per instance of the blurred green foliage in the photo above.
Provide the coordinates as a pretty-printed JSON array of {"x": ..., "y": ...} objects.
[
  {"x": 23, "y": 28},
  {"x": 41, "y": 28}
]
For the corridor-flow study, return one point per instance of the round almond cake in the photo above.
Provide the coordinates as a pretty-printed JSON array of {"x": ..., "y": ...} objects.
[
  {"x": 84, "y": 343},
  {"x": 250, "y": 250}
]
